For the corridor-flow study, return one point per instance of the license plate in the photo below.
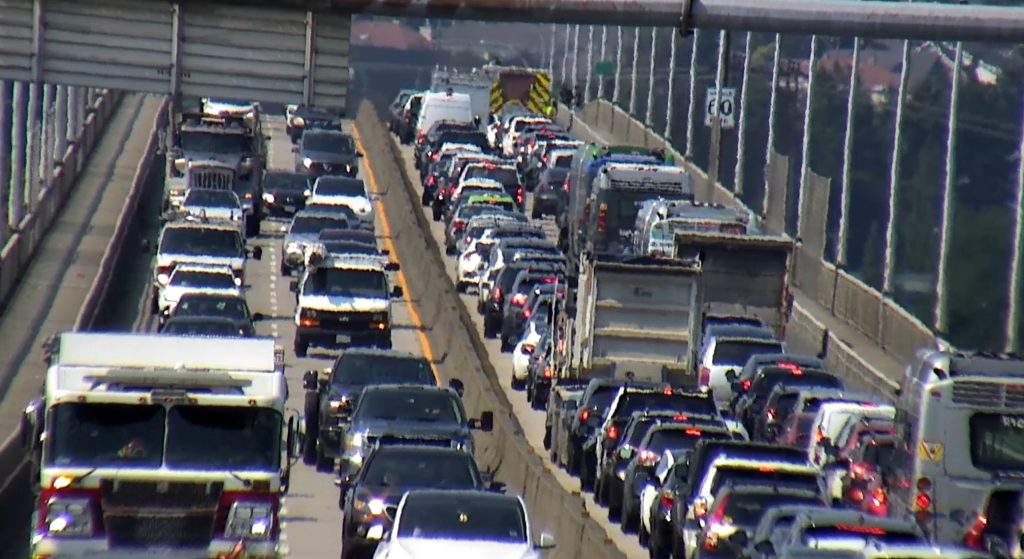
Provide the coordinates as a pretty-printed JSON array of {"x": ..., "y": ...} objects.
[
  {"x": 289, "y": 208},
  {"x": 342, "y": 339}
]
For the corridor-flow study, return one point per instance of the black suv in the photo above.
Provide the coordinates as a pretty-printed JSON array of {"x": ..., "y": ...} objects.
[
  {"x": 388, "y": 473},
  {"x": 326, "y": 152},
  {"x": 332, "y": 396}
]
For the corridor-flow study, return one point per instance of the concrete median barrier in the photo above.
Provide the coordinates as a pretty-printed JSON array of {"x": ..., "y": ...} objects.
[{"x": 458, "y": 350}]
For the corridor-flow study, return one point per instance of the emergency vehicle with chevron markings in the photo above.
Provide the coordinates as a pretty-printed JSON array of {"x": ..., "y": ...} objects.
[{"x": 527, "y": 87}]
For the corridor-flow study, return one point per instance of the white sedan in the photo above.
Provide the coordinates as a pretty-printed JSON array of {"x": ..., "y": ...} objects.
[
  {"x": 196, "y": 278},
  {"x": 532, "y": 335},
  {"x": 461, "y": 525}
]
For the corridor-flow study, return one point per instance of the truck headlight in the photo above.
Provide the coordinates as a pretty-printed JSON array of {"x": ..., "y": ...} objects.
[
  {"x": 250, "y": 520},
  {"x": 298, "y": 121},
  {"x": 307, "y": 162},
  {"x": 69, "y": 517},
  {"x": 268, "y": 198},
  {"x": 181, "y": 164},
  {"x": 348, "y": 168},
  {"x": 162, "y": 279},
  {"x": 292, "y": 246}
]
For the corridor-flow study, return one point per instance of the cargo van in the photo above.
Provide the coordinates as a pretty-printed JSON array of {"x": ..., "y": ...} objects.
[{"x": 444, "y": 106}]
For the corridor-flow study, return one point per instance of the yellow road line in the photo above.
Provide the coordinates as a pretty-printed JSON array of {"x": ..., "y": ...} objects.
[{"x": 390, "y": 245}]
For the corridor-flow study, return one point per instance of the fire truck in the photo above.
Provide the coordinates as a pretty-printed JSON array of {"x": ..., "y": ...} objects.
[{"x": 148, "y": 444}]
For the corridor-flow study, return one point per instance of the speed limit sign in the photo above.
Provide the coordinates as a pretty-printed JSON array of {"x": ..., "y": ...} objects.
[{"x": 726, "y": 107}]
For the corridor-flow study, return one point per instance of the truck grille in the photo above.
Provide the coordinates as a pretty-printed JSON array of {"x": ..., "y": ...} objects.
[
  {"x": 391, "y": 440},
  {"x": 354, "y": 322},
  {"x": 988, "y": 394},
  {"x": 154, "y": 513},
  {"x": 215, "y": 178}
]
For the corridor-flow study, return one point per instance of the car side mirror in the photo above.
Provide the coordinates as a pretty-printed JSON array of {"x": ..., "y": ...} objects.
[
  {"x": 545, "y": 541},
  {"x": 458, "y": 386},
  {"x": 496, "y": 487},
  {"x": 257, "y": 253},
  {"x": 293, "y": 286},
  {"x": 385, "y": 252},
  {"x": 485, "y": 423},
  {"x": 257, "y": 317},
  {"x": 295, "y": 149},
  {"x": 396, "y": 292},
  {"x": 392, "y": 266},
  {"x": 731, "y": 376},
  {"x": 390, "y": 511},
  {"x": 309, "y": 380},
  {"x": 739, "y": 538},
  {"x": 359, "y": 154}
]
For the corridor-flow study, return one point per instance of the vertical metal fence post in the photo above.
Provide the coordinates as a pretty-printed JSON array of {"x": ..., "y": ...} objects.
[
  {"x": 721, "y": 80},
  {"x": 46, "y": 153},
  {"x": 805, "y": 149},
  {"x": 671, "y": 84},
  {"x": 616, "y": 91},
  {"x": 690, "y": 118},
  {"x": 632, "y": 83},
  {"x": 565, "y": 56},
  {"x": 889, "y": 260},
  {"x": 948, "y": 198},
  {"x": 16, "y": 207},
  {"x": 61, "y": 120},
  {"x": 741, "y": 131},
  {"x": 1017, "y": 261},
  {"x": 590, "y": 62},
  {"x": 844, "y": 204},
  {"x": 648, "y": 117},
  {"x": 576, "y": 55},
  {"x": 6, "y": 148},
  {"x": 551, "y": 49},
  {"x": 776, "y": 62},
  {"x": 604, "y": 53},
  {"x": 34, "y": 142}
]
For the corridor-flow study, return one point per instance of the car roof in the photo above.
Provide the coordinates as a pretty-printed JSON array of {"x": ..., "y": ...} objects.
[
  {"x": 738, "y": 331},
  {"x": 209, "y": 268}
]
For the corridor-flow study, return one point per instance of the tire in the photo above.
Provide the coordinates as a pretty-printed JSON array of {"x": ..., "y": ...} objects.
[
  {"x": 425, "y": 198},
  {"x": 547, "y": 438},
  {"x": 324, "y": 464},
  {"x": 312, "y": 411},
  {"x": 460, "y": 287},
  {"x": 490, "y": 330},
  {"x": 537, "y": 402},
  {"x": 629, "y": 520},
  {"x": 301, "y": 347},
  {"x": 154, "y": 303},
  {"x": 385, "y": 344},
  {"x": 642, "y": 537},
  {"x": 449, "y": 249},
  {"x": 286, "y": 270},
  {"x": 252, "y": 225},
  {"x": 535, "y": 214},
  {"x": 518, "y": 385},
  {"x": 436, "y": 213}
]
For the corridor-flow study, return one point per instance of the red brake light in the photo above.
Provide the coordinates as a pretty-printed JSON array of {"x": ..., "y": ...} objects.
[
  {"x": 770, "y": 413},
  {"x": 692, "y": 432},
  {"x": 869, "y": 530},
  {"x": 667, "y": 391},
  {"x": 565, "y": 186},
  {"x": 458, "y": 226},
  {"x": 766, "y": 469},
  {"x": 431, "y": 180},
  {"x": 497, "y": 294},
  {"x": 647, "y": 458},
  {"x": 860, "y": 470},
  {"x": 436, "y": 156},
  {"x": 746, "y": 385},
  {"x": 526, "y": 313},
  {"x": 602, "y": 218},
  {"x": 612, "y": 432},
  {"x": 720, "y": 510},
  {"x": 548, "y": 373},
  {"x": 705, "y": 377},
  {"x": 974, "y": 539},
  {"x": 679, "y": 418},
  {"x": 792, "y": 367},
  {"x": 519, "y": 299},
  {"x": 878, "y": 498},
  {"x": 923, "y": 501},
  {"x": 585, "y": 415},
  {"x": 667, "y": 499}
]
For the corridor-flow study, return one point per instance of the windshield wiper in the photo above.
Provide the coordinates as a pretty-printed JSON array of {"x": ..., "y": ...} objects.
[{"x": 245, "y": 482}]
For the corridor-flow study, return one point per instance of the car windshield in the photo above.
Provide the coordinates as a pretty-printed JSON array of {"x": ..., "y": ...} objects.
[
  {"x": 682, "y": 439},
  {"x": 292, "y": 182},
  {"x": 853, "y": 536},
  {"x": 503, "y": 203},
  {"x": 504, "y": 175},
  {"x": 651, "y": 401},
  {"x": 213, "y": 142},
  {"x": 448, "y": 470},
  {"x": 197, "y": 241},
  {"x": 234, "y": 308},
  {"x": 770, "y": 378},
  {"x": 195, "y": 278},
  {"x": 97, "y": 435},
  {"x": 246, "y": 439},
  {"x": 205, "y": 328},
  {"x": 308, "y": 225},
  {"x": 332, "y": 282},
  {"x": 759, "y": 475},
  {"x": 356, "y": 369},
  {"x": 341, "y": 144},
  {"x": 746, "y": 508},
  {"x": 737, "y": 353},
  {"x": 463, "y": 518},
  {"x": 426, "y": 406},
  {"x": 563, "y": 161},
  {"x": 880, "y": 454},
  {"x": 206, "y": 198},
  {"x": 339, "y": 187}
]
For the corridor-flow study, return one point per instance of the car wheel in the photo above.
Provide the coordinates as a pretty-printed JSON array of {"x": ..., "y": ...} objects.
[
  {"x": 385, "y": 343},
  {"x": 286, "y": 270},
  {"x": 547, "y": 438},
  {"x": 436, "y": 213},
  {"x": 553, "y": 455},
  {"x": 490, "y": 330},
  {"x": 537, "y": 402},
  {"x": 301, "y": 347},
  {"x": 312, "y": 411},
  {"x": 154, "y": 302},
  {"x": 517, "y": 385},
  {"x": 642, "y": 537},
  {"x": 460, "y": 287},
  {"x": 324, "y": 464},
  {"x": 425, "y": 198},
  {"x": 449, "y": 249},
  {"x": 614, "y": 511},
  {"x": 535, "y": 214},
  {"x": 252, "y": 226},
  {"x": 629, "y": 519}
]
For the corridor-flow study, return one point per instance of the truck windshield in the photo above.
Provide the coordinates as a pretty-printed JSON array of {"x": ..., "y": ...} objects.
[
  {"x": 996, "y": 440},
  {"x": 401, "y": 405},
  {"x": 209, "y": 280},
  {"x": 223, "y": 437},
  {"x": 449, "y": 470},
  {"x": 356, "y": 369},
  {"x": 115, "y": 435},
  {"x": 208, "y": 242},
  {"x": 209, "y": 198},
  {"x": 328, "y": 142},
  {"x": 346, "y": 283},
  {"x": 211, "y": 142}
]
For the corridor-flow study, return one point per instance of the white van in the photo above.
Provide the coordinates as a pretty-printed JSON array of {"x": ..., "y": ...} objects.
[
  {"x": 444, "y": 105},
  {"x": 831, "y": 419}
]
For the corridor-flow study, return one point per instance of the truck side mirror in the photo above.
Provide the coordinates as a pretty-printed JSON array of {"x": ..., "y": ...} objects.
[
  {"x": 457, "y": 385},
  {"x": 396, "y": 292},
  {"x": 257, "y": 253},
  {"x": 294, "y": 286},
  {"x": 295, "y": 149},
  {"x": 731, "y": 376},
  {"x": 496, "y": 487},
  {"x": 485, "y": 423},
  {"x": 309, "y": 380},
  {"x": 392, "y": 266}
]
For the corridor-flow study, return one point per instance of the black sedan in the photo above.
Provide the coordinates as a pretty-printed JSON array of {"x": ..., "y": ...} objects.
[{"x": 326, "y": 152}]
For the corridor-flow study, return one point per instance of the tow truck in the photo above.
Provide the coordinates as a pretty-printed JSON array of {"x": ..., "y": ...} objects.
[{"x": 150, "y": 444}]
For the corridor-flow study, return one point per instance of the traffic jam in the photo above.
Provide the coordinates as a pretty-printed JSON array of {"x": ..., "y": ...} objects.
[
  {"x": 648, "y": 328},
  {"x": 645, "y": 327}
]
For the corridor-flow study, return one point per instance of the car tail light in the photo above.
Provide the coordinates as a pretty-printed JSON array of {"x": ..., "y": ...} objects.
[
  {"x": 647, "y": 458},
  {"x": 519, "y": 299},
  {"x": 585, "y": 415},
  {"x": 700, "y": 508},
  {"x": 745, "y": 385},
  {"x": 856, "y": 496},
  {"x": 792, "y": 368},
  {"x": 70, "y": 513},
  {"x": 667, "y": 499},
  {"x": 974, "y": 538},
  {"x": 878, "y": 504},
  {"x": 612, "y": 432},
  {"x": 436, "y": 156},
  {"x": 692, "y": 432},
  {"x": 419, "y": 139},
  {"x": 770, "y": 414},
  {"x": 529, "y": 348},
  {"x": 526, "y": 313},
  {"x": 520, "y": 194},
  {"x": 247, "y": 515},
  {"x": 565, "y": 186},
  {"x": 458, "y": 226},
  {"x": 431, "y": 181},
  {"x": 497, "y": 295},
  {"x": 705, "y": 377},
  {"x": 548, "y": 373},
  {"x": 860, "y": 470},
  {"x": 602, "y": 218}
]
